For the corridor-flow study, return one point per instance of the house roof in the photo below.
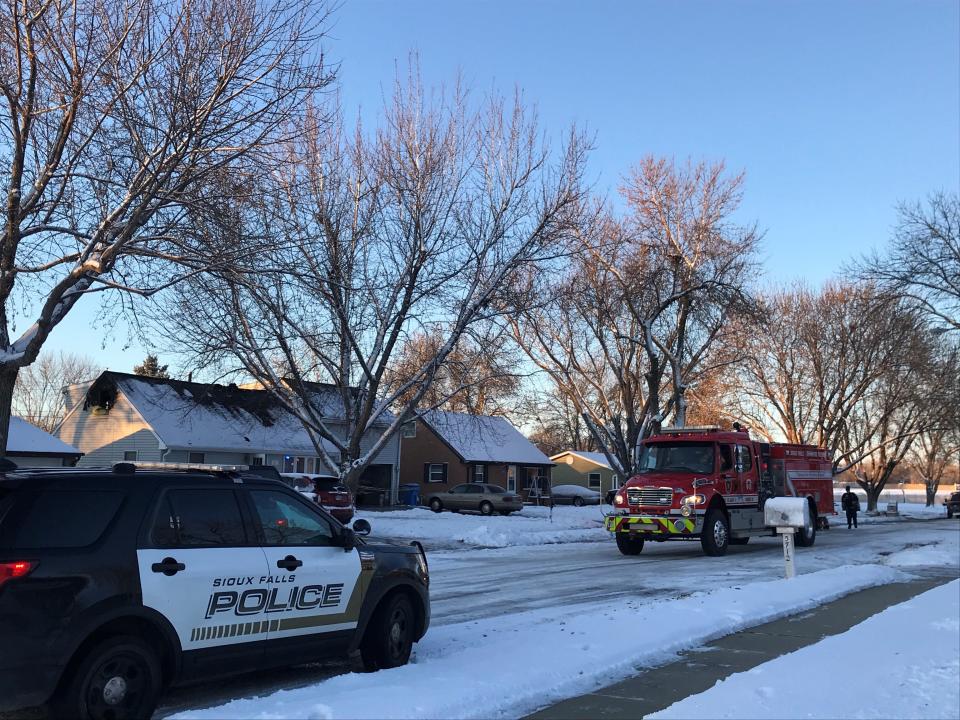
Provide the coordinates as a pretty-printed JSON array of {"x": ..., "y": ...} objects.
[
  {"x": 594, "y": 457},
  {"x": 24, "y": 438},
  {"x": 484, "y": 438},
  {"x": 208, "y": 416}
]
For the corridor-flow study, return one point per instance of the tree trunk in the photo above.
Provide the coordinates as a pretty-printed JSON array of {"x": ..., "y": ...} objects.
[
  {"x": 931, "y": 487},
  {"x": 873, "y": 496},
  {"x": 8, "y": 379}
]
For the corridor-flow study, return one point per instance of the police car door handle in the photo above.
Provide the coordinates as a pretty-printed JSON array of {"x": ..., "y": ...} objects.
[
  {"x": 168, "y": 567},
  {"x": 289, "y": 563}
]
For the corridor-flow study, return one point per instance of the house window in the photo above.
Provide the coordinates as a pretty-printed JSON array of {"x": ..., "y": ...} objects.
[
  {"x": 435, "y": 472},
  {"x": 409, "y": 430},
  {"x": 479, "y": 473},
  {"x": 130, "y": 455},
  {"x": 593, "y": 480},
  {"x": 615, "y": 480},
  {"x": 301, "y": 464},
  {"x": 258, "y": 460},
  {"x": 197, "y": 457}
]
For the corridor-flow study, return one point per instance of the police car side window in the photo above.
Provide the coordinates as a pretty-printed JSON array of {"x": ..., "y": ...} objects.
[
  {"x": 285, "y": 521},
  {"x": 199, "y": 518}
]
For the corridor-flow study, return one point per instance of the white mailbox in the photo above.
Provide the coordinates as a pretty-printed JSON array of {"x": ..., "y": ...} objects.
[
  {"x": 786, "y": 512},
  {"x": 787, "y": 515}
]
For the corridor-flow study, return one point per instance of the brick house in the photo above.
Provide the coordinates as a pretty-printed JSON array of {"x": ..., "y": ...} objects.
[{"x": 444, "y": 449}]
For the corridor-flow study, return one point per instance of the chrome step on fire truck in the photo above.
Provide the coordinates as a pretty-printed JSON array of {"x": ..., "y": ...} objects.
[{"x": 710, "y": 484}]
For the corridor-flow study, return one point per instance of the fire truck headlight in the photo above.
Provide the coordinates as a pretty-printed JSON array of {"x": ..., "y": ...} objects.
[
  {"x": 686, "y": 510},
  {"x": 693, "y": 500},
  {"x": 620, "y": 499}
]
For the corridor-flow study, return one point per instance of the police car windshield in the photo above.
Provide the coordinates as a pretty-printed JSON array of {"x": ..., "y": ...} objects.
[{"x": 686, "y": 457}]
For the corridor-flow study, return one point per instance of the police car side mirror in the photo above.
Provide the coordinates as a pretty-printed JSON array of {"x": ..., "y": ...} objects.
[
  {"x": 361, "y": 527},
  {"x": 348, "y": 539}
]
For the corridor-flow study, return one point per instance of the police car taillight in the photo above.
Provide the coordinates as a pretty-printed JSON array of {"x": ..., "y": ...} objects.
[{"x": 16, "y": 569}]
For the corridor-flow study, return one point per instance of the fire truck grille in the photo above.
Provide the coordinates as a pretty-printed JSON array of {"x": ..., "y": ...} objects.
[{"x": 650, "y": 496}]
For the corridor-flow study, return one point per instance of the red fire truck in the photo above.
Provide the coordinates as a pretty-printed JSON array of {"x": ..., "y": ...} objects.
[{"x": 710, "y": 484}]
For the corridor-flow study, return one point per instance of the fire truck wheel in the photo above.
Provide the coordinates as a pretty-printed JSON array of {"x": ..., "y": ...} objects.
[
  {"x": 715, "y": 537},
  {"x": 629, "y": 545},
  {"x": 807, "y": 536}
]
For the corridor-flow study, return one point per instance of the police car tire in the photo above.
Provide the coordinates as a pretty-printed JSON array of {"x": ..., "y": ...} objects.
[
  {"x": 436, "y": 505},
  {"x": 708, "y": 535},
  {"x": 629, "y": 545},
  {"x": 122, "y": 656},
  {"x": 381, "y": 647}
]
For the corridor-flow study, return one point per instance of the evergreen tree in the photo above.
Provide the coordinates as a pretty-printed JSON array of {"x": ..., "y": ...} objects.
[{"x": 151, "y": 367}]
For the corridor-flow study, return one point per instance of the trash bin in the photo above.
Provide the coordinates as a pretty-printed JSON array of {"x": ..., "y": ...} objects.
[{"x": 409, "y": 494}]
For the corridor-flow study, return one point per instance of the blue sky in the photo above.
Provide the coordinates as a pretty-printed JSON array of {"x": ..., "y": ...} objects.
[{"x": 836, "y": 110}]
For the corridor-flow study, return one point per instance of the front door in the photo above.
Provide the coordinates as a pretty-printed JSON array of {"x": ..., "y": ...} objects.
[
  {"x": 196, "y": 564},
  {"x": 314, "y": 584}
]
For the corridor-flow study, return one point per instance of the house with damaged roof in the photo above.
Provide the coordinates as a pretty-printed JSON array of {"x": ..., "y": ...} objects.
[{"x": 127, "y": 417}]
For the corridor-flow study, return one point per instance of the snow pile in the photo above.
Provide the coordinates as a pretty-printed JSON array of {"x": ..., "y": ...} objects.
[
  {"x": 906, "y": 511},
  {"x": 932, "y": 554},
  {"x": 530, "y": 526},
  {"x": 912, "y": 651},
  {"x": 512, "y": 664}
]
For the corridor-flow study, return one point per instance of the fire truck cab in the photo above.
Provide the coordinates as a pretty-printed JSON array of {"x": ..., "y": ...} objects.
[{"x": 711, "y": 484}]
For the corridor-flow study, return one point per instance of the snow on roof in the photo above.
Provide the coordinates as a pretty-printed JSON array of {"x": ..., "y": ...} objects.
[
  {"x": 212, "y": 417},
  {"x": 594, "y": 457},
  {"x": 484, "y": 438},
  {"x": 24, "y": 437}
]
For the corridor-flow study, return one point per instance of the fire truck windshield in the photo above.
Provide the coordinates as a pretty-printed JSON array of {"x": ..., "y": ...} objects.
[{"x": 689, "y": 457}]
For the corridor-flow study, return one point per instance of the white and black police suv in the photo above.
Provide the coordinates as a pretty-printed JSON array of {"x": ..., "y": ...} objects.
[{"x": 115, "y": 584}]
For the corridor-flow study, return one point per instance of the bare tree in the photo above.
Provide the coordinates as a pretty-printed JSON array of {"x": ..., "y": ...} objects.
[
  {"x": 115, "y": 117},
  {"x": 637, "y": 315},
  {"x": 843, "y": 368},
  {"x": 923, "y": 260},
  {"x": 481, "y": 375},
  {"x": 38, "y": 396},
  {"x": 373, "y": 239}
]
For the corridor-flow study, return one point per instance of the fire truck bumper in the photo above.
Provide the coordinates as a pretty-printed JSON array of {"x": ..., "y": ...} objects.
[{"x": 650, "y": 524}]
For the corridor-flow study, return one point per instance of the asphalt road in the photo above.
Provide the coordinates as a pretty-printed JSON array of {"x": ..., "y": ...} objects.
[{"x": 484, "y": 583}]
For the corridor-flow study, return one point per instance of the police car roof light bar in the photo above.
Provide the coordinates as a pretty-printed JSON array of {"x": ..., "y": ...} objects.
[{"x": 203, "y": 467}]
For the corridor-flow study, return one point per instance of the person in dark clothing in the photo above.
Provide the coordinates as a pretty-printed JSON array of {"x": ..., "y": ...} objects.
[{"x": 851, "y": 504}]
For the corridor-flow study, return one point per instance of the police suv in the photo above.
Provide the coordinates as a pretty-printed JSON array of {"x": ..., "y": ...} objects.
[{"x": 115, "y": 584}]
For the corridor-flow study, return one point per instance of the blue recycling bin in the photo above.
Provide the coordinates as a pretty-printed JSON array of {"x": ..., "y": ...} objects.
[{"x": 409, "y": 494}]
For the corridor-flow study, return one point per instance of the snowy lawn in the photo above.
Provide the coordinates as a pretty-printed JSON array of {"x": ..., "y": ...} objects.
[
  {"x": 509, "y": 665},
  {"x": 903, "y": 662},
  {"x": 943, "y": 554},
  {"x": 906, "y": 511},
  {"x": 531, "y": 526}
]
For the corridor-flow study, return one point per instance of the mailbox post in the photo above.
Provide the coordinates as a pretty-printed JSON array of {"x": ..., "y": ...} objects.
[{"x": 787, "y": 515}]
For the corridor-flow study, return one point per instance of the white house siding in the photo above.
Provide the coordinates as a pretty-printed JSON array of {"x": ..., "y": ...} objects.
[
  {"x": 105, "y": 437},
  {"x": 28, "y": 461}
]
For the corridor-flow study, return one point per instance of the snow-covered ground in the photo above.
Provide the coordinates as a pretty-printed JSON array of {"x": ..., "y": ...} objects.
[
  {"x": 506, "y": 666},
  {"x": 513, "y": 628},
  {"x": 540, "y": 526},
  {"x": 531, "y": 526},
  {"x": 903, "y": 662}
]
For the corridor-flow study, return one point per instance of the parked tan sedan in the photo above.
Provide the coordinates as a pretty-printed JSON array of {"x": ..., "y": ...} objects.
[{"x": 482, "y": 497}]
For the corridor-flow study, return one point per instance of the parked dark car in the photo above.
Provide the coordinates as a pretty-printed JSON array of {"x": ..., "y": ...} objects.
[
  {"x": 117, "y": 584},
  {"x": 482, "y": 497},
  {"x": 953, "y": 504}
]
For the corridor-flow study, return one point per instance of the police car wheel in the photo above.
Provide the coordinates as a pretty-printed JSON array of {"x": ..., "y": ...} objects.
[
  {"x": 389, "y": 637},
  {"x": 436, "y": 505},
  {"x": 118, "y": 679}
]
